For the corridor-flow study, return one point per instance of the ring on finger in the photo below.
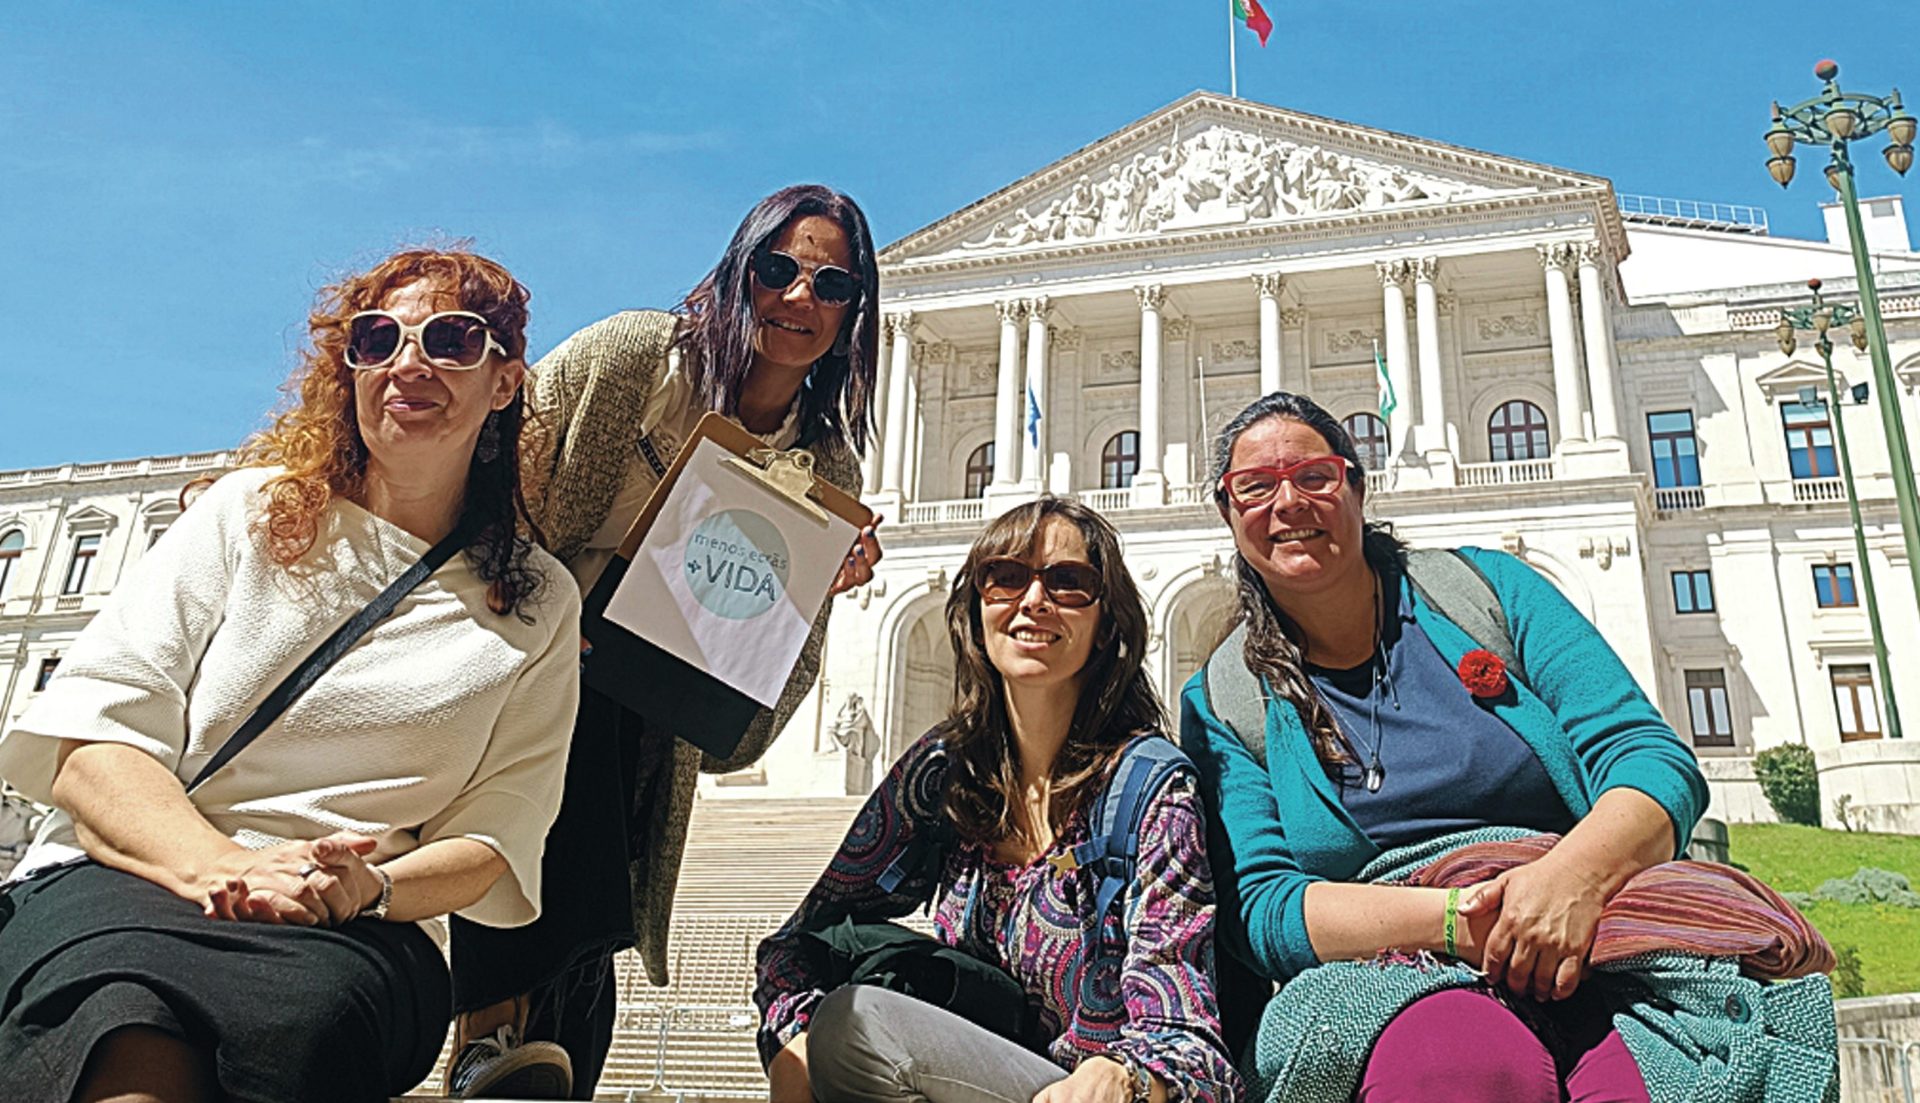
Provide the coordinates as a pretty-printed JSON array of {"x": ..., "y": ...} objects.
[{"x": 309, "y": 870}]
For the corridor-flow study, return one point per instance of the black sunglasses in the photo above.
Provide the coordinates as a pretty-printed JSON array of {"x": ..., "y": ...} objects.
[
  {"x": 776, "y": 271},
  {"x": 1070, "y": 585}
]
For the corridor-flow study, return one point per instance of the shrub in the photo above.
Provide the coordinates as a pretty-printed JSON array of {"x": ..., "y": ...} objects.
[
  {"x": 1846, "y": 978},
  {"x": 1792, "y": 786},
  {"x": 1870, "y": 886}
]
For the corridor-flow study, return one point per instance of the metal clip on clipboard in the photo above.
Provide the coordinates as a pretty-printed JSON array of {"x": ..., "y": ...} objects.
[{"x": 788, "y": 474}]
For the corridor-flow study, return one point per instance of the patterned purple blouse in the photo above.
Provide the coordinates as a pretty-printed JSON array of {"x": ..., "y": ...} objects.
[{"x": 1033, "y": 921}]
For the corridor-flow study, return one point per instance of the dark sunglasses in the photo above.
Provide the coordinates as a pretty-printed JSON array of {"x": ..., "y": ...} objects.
[
  {"x": 776, "y": 271},
  {"x": 1070, "y": 585},
  {"x": 455, "y": 339}
]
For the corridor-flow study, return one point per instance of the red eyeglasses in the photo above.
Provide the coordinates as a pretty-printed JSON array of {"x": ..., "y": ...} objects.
[{"x": 1316, "y": 477}]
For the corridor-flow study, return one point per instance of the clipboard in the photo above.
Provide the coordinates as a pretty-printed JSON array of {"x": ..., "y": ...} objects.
[{"x": 664, "y": 688}]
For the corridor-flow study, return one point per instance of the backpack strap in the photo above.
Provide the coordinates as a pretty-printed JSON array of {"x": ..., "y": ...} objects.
[
  {"x": 926, "y": 852},
  {"x": 1456, "y": 588},
  {"x": 1235, "y": 696},
  {"x": 1112, "y": 850}
]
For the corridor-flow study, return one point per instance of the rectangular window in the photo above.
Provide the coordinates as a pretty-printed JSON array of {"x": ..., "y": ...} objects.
[
  {"x": 1676, "y": 454},
  {"x": 47, "y": 667},
  {"x": 1692, "y": 592},
  {"x": 1854, "y": 699},
  {"x": 1707, "y": 708},
  {"x": 85, "y": 548},
  {"x": 1810, "y": 452},
  {"x": 1833, "y": 586}
]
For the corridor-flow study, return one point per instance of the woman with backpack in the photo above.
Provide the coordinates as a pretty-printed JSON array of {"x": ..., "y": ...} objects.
[
  {"x": 1000, "y": 818},
  {"x": 1431, "y": 763}
]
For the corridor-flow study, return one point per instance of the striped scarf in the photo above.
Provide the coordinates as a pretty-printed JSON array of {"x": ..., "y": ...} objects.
[{"x": 1688, "y": 907}]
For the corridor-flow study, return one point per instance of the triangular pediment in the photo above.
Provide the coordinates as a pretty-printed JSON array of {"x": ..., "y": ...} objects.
[
  {"x": 1209, "y": 163},
  {"x": 1785, "y": 382},
  {"x": 91, "y": 519}
]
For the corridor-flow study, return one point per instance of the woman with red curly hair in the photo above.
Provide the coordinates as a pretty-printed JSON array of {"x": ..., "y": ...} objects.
[{"x": 269, "y": 932}]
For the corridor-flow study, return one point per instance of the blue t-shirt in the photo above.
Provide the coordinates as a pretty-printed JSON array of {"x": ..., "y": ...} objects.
[{"x": 1448, "y": 763}]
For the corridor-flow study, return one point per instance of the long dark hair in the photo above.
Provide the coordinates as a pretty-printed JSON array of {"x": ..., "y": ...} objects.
[
  {"x": 1117, "y": 699},
  {"x": 836, "y": 401},
  {"x": 1275, "y": 642},
  {"x": 316, "y": 437}
]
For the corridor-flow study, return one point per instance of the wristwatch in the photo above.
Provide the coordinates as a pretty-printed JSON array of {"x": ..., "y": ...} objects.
[
  {"x": 1137, "y": 1076},
  {"x": 380, "y": 906}
]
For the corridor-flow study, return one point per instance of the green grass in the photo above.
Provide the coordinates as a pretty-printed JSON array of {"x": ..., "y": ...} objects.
[{"x": 1798, "y": 859}]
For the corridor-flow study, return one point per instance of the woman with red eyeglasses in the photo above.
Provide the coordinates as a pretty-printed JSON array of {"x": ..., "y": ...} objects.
[
  {"x": 988, "y": 820},
  {"x": 783, "y": 337},
  {"x": 1433, "y": 779}
]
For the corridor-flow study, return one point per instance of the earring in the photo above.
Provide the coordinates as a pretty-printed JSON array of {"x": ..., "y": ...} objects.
[{"x": 488, "y": 450}]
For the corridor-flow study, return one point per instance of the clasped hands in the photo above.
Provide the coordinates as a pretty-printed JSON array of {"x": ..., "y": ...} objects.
[
  {"x": 307, "y": 883},
  {"x": 1532, "y": 927}
]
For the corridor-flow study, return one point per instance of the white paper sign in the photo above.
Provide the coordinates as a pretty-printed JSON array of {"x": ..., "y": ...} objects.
[{"x": 730, "y": 576}]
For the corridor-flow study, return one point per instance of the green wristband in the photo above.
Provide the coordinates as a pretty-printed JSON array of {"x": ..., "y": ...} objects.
[{"x": 1452, "y": 925}]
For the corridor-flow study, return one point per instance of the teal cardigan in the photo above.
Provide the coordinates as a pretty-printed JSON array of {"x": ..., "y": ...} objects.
[{"x": 1284, "y": 827}]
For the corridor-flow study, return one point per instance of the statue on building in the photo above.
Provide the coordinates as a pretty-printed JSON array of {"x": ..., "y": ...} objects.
[{"x": 853, "y": 730}]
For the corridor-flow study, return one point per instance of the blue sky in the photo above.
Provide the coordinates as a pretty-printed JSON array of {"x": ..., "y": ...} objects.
[{"x": 176, "y": 180}]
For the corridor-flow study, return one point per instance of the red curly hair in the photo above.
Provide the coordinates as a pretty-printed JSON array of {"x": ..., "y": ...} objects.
[{"x": 316, "y": 435}]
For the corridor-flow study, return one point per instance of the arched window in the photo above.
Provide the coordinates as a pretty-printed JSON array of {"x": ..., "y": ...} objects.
[
  {"x": 1369, "y": 435},
  {"x": 1120, "y": 460},
  {"x": 1518, "y": 431},
  {"x": 979, "y": 470},
  {"x": 11, "y": 545}
]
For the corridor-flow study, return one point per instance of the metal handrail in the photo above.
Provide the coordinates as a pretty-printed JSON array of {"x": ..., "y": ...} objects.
[{"x": 1663, "y": 211}]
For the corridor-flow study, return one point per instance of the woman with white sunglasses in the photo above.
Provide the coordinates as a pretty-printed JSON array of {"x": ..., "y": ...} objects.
[
  {"x": 783, "y": 337},
  {"x": 188, "y": 926}
]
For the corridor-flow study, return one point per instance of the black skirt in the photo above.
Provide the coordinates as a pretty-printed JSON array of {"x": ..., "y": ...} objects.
[{"x": 288, "y": 1014}]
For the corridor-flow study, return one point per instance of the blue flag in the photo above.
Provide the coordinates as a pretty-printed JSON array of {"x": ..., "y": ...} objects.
[{"x": 1033, "y": 417}]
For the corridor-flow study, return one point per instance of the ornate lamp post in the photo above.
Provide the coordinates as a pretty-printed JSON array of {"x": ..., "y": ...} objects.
[
  {"x": 1836, "y": 119},
  {"x": 1822, "y": 318}
]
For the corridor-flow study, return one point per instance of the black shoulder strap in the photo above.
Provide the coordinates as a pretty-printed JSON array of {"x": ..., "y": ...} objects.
[
  {"x": 329, "y": 651},
  {"x": 1235, "y": 695},
  {"x": 1458, "y": 590}
]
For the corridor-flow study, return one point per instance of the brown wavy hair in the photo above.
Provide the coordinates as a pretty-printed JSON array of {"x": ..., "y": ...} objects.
[
  {"x": 316, "y": 435},
  {"x": 1117, "y": 698}
]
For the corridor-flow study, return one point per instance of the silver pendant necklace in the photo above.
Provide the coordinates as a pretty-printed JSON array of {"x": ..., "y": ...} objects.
[{"x": 1376, "y": 774}]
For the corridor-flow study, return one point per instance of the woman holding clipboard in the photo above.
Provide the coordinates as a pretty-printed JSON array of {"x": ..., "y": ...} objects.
[{"x": 782, "y": 336}]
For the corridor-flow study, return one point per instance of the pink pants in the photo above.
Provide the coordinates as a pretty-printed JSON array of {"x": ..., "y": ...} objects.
[{"x": 1465, "y": 1046}]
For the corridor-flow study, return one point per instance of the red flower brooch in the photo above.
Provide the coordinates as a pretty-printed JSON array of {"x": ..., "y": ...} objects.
[{"x": 1482, "y": 672}]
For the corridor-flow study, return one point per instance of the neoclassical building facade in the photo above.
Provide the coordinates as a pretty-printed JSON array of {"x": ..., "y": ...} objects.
[{"x": 1587, "y": 380}]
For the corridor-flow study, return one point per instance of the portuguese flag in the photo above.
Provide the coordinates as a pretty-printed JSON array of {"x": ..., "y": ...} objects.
[{"x": 1255, "y": 17}]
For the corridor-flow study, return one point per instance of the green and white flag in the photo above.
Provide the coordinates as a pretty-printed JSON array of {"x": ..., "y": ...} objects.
[{"x": 1388, "y": 402}]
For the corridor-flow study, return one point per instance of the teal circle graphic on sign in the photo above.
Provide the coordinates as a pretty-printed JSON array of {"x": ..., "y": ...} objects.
[{"x": 737, "y": 564}]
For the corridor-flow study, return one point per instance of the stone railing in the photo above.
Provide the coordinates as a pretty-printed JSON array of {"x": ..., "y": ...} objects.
[
  {"x": 1807, "y": 491},
  {"x": 1108, "y": 500},
  {"x": 1677, "y": 499},
  {"x": 953, "y": 510},
  {"x": 1505, "y": 473}
]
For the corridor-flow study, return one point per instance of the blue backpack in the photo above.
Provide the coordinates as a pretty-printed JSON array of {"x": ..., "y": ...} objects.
[{"x": 1112, "y": 849}]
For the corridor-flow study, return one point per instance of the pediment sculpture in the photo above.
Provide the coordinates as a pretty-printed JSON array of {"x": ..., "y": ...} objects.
[{"x": 1220, "y": 176}]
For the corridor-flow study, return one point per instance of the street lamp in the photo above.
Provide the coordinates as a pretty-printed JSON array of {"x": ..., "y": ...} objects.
[
  {"x": 1824, "y": 318},
  {"x": 1834, "y": 119}
]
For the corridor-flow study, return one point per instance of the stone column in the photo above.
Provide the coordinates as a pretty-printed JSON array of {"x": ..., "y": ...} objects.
[
  {"x": 1006, "y": 405},
  {"x": 1033, "y": 442},
  {"x": 1426, "y": 307},
  {"x": 1570, "y": 402},
  {"x": 1393, "y": 302},
  {"x": 872, "y": 462},
  {"x": 1149, "y": 482},
  {"x": 1597, "y": 326},
  {"x": 1269, "y": 285},
  {"x": 893, "y": 442}
]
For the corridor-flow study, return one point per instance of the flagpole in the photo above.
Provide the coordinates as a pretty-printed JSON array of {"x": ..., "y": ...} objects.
[{"x": 1233, "y": 56}]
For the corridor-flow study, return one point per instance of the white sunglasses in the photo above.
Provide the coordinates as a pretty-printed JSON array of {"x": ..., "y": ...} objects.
[{"x": 455, "y": 339}]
